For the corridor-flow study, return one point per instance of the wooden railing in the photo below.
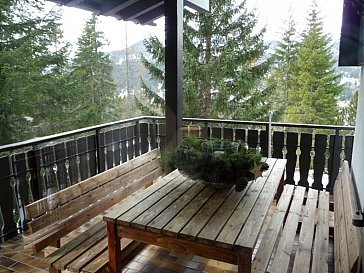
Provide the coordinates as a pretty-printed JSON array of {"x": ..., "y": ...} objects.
[{"x": 33, "y": 169}]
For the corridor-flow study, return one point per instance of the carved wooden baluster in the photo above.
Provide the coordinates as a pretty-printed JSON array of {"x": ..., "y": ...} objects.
[
  {"x": 292, "y": 143},
  {"x": 305, "y": 158},
  {"x": 319, "y": 161}
]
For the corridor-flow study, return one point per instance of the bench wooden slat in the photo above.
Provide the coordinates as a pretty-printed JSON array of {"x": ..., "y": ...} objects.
[
  {"x": 350, "y": 208},
  {"x": 341, "y": 247},
  {"x": 74, "y": 243},
  {"x": 90, "y": 212},
  {"x": 303, "y": 254},
  {"x": 263, "y": 254},
  {"x": 129, "y": 250},
  {"x": 70, "y": 208},
  {"x": 48, "y": 203},
  {"x": 87, "y": 256},
  {"x": 66, "y": 259},
  {"x": 321, "y": 245},
  {"x": 284, "y": 249}
]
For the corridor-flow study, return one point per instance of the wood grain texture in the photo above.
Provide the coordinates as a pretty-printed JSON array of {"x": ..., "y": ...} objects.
[
  {"x": 350, "y": 209},
  {"x": 148, "y": 202},
  {"x": 165, "y": 217},
  {"x": 173, "y": 243},
  {"x": 303, "y": 254},
  {"x": 158, "y": 207},
  {"x": 133, "y": 200},
  {"x": 234, "y": 225},
  {"x": 195, "y": 225},
  {"x": 321, "y": 244},
  {"x": 253, "y": 225},
  {"x": 263, "y": 254},
  {"x": 285, "y": 246},
  {"x": 182, "y": 218},
  {"x": 48, "y": 203}
]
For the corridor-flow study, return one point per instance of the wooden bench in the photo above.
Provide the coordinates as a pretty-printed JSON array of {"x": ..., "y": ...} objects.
[
  {"x": 298, "y": 232},
  {"x": 296, "y": 217},
  {"x": 54, "y": 216},
  {"x": 347, "y": 236}
]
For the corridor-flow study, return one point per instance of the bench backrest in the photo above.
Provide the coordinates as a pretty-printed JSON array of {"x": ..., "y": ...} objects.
[
  {"x": 347, "y": 236},
  {"x": 75, "y": 205}
]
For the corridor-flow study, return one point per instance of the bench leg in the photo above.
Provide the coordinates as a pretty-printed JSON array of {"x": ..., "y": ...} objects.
[
  {"x": 114, "y": 248},
  {"x": 53, "y": 270},
  {"x": 56, "y": 243},
  {"x": 244, "y": 262}
]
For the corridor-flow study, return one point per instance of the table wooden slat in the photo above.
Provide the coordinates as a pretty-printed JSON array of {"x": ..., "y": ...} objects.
[
  {"x": 192, "y": 229},
  {"x": 134, "y": 199},
  {"x": 233, "y": 227},
  {"x": 148, "y": 202},
  {"x": 213, "y": 227},
  {"x": 253, "y": 225},
  {"x": 165, "y": 217},
  {"x": 152, "y": 212},
  {"x": 178, "y": 222}
]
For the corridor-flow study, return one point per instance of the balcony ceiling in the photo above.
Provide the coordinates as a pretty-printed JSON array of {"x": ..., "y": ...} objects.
[{"x": 143, "y": 12}]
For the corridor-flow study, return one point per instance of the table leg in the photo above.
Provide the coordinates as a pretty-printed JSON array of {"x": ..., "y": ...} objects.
[
  {"x": 245, "y": 262},
  {"x": 114, "y": 248},
  {"x": 280, "y": 188}
]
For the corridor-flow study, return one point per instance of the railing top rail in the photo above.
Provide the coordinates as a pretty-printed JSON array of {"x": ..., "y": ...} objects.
[
  {"x": 35, "y": 141},
  {"x": 277, "y": 124}
]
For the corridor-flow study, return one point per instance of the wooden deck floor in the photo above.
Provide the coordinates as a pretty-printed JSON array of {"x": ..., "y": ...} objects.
[{"x": 14, "y": 258}]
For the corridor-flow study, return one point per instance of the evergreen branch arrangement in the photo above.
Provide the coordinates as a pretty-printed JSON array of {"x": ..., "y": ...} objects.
[{"x": 215, "y": 162}]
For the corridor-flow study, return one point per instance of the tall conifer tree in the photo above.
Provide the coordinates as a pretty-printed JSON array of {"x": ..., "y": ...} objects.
[
  {"x": 92, "y": 77},
  {"x": 223, "y": 67},
  {"x": 315, "y": 85},
  {"x": 31, "y": 69},
  {"x": 284, "y": 57}
]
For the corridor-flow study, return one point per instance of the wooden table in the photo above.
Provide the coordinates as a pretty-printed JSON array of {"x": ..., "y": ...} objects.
[{"x": 178, "y": 213}]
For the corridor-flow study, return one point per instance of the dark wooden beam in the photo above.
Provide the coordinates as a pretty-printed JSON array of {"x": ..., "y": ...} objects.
[
  {"x": 139, "y": 8},
  {"x": 173, "y": 12},
  {"x": 148, "y": 18},
  {"x": 112, "y": 7}
]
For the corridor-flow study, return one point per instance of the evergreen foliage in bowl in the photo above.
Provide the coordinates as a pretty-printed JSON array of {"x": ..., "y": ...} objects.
[{"x": 215, "y": 162}]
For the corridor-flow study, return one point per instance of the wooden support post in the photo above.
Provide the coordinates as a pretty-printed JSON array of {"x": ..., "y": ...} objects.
[
  {"x": 173, "y": 70},
  {"x": 114, "y": 248},
  {"x": 245, "y": 261}
]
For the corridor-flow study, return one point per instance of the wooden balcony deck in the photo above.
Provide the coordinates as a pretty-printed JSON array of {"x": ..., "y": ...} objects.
[{"x": 14, "y": 258}]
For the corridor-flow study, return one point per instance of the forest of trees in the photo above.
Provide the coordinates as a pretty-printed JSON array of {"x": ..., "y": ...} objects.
[{"x": 45, "y": 88}]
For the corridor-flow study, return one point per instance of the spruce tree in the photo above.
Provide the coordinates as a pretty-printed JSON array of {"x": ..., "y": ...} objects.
[
  {"x": 31, "y": 69},
  {"x": 349, "y": 112},
  {"x": 92, "y": 78},
  {"x": 284, "y": 57},
  {"x": 223, "y": 66},
  {"x": 315, "y": 85}
]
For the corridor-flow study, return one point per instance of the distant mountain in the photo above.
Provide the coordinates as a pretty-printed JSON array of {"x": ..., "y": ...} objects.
[{"x": 128, "y": 69}]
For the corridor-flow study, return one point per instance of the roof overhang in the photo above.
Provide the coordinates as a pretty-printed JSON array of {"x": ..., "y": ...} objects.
[
  {"x": 139, "y": 11},
  {"x": 352, "y": 34}
]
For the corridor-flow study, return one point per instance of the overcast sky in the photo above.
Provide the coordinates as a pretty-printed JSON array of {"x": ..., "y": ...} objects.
[{"x": 270, "y": 13}]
